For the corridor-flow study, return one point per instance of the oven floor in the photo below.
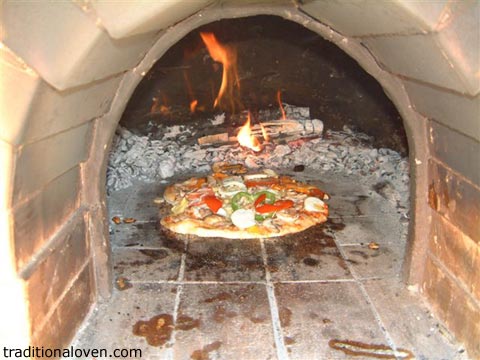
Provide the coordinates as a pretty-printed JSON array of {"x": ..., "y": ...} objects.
[{"x": 285, "y": 298}]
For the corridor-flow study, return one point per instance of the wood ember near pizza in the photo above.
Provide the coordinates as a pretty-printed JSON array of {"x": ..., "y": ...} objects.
[{"x": 232, "y": 203}]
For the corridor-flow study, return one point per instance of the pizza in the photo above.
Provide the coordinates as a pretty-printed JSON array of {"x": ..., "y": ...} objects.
[{"x": 232, "y": 203}]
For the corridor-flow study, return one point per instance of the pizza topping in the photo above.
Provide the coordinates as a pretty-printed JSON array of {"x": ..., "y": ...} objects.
[
  {"x": 222, "y": 212},
  {"x": 197, "y": 194},
  {"x": 288, "y": 215},
  {"x": 194, "y": 183},
  {"x": 256, "y": 176},
  {"x": 263, "y": 197},
  {"x": 180, "y": 207},
  {"x": 231, "y": 187},
  {"x": 277, "y": 206},
  {"x": 261, "y": 182},
  {"x": 260, "y": 203},
  {"x": 241, "y": 199},
  {"x": 314, "y": 204},
  {"x": 213, "y": 203},
  {"x": 243, "y": 218}
]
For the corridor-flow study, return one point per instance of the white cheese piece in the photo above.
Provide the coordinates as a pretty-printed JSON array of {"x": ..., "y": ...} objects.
[
  {"x": 243, "y": 218},
  {"x": 222, "y": 212}
]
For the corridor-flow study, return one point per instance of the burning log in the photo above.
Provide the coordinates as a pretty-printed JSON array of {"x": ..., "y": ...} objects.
[{"x": 274, "y": 130}]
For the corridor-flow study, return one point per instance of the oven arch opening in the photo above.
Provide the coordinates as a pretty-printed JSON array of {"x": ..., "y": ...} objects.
[{"x": 404, "y": 85}]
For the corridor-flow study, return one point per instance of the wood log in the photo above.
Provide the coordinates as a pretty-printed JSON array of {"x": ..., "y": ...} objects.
[{"x": 213, "y": 139}]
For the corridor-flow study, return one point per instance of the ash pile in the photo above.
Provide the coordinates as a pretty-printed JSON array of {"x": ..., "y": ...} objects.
[{"x": 182, "y": 149}]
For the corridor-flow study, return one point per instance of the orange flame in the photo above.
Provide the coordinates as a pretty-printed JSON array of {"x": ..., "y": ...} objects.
[
  {"x": 245, "y": 137},
  {"x": 193, "y": 106},
  {"x": 158, "y": 107},
  {"x": 279, "y": 99},
  {"x": 227, "y": 56}
]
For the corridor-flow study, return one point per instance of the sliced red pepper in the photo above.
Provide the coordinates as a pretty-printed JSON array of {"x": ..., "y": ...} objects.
[
  {"x": 277, "y": 206},
  {"x": 317, "y": 193},
  {"x": 260, "y": 200},
  {"x": 261, "y": 182},
  {"x": 212, "y": 202}
]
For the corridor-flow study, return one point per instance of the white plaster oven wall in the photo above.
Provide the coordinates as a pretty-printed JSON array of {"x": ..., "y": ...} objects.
[{"x": 68, "y": 70}]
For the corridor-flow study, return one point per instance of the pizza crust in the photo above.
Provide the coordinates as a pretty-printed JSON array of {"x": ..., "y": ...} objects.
[{"x": 199, "y": 228}]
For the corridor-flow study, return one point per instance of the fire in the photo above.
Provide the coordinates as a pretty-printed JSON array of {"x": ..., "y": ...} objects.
[
  {"x": 245, "y": 137},
  {"x": 193, "y": 106},
  {"x": 158, "y": 107},
  {"x": 227, "y": 56},
  {"x": 279, "y": 99}
]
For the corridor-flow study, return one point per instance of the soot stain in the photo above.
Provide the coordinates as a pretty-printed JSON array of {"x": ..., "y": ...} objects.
[
  {"x": 335, "y": 226},
  {"x": 310, "y": 262},
  {"x": 311, "y": 242},
  {"x": 123, "y": 264},
  {"x": 257, "y": 319},
  {"x": 203, "y": 353},
  {"x": 185, "y": 323},
  {"x": 357, "y": 348},
  {"x": 220, "y": 257},
  {"x": 342, "y": 264},
  {"x": 220, "y": 297},
  {"x": 122, "y": 283},
  {"x": 360, "y": 199},
  {"x": 221, "y": 314},
  {"x": 132, "y": 244},
  {"x": 157, "y": 331},
  {"x": 155, "y": 254},
  {"x": 242, "y": 301},
  {"x": 285, "y": 316}
]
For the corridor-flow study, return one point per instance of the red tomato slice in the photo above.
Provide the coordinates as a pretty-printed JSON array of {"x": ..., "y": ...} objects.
[
  {"x": 212, "y": 202},
  {"x": 260, "y": 199},
  {"x": 277, "y": 206}
]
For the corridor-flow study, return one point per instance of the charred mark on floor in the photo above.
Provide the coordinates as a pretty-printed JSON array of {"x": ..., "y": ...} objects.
[
  {"x": 157, "y": 331},
  {"x": 185, "y": 322},
  {"x": 122, "y": 283},
  {"x": 203, "y": 353},
  {"x": 285, "y": 315},
  {"x": 310, "y": 261},
  {"x": 357, "y": 348},
  {"x": 155, "y": 254}
]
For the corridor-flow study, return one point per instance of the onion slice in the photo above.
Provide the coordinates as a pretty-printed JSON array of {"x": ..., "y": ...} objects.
[{"x": 314, "y": 204}]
